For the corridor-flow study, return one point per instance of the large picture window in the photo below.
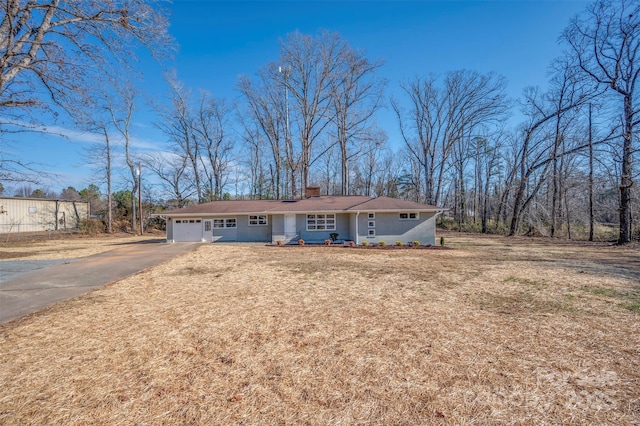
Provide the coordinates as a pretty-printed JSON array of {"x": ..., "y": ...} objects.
[
  {"x": 258, "y": 220},
  {"x": 321, "y": 222},
  {"x": 224, "y": 223}
]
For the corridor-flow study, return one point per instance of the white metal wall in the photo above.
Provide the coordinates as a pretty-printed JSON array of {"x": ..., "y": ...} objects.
[{"x": 34, "y": 214}]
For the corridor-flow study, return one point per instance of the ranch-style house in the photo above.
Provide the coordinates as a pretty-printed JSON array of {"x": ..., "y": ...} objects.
[{"x": 313, "y": 219}]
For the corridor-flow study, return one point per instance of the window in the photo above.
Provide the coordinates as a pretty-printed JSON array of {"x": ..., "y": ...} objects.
[
  {"x": 321, "y": 222},
  {"x": 409, "y": 216},
  {"x": 33, "y": 210},
  {"x": 207, "y": 226},
  {"x": 372, "y": 216},
  {"x": 178, "y": 221},
  {"x": 258, "y": 220},
  {"x": 372, "y": 233},
  {"x": 371, "y": 224},
  {"x": 224, "y": 223}
]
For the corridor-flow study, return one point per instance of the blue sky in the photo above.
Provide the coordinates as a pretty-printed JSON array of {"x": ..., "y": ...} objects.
[{"x": 220, "y": 40}]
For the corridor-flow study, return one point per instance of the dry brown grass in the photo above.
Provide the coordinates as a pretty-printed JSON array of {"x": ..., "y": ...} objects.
[
  {"x": 63, "y": 248},
  {"x": 496, "y": 331}
]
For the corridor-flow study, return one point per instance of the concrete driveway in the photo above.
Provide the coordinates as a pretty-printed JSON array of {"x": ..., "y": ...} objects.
[{"x": 25, "y": 292}]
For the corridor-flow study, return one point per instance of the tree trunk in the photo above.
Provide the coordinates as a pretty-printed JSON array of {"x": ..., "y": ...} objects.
[
  {"x": 591, "y": 218},
  {"x": 626, "y": 181}
]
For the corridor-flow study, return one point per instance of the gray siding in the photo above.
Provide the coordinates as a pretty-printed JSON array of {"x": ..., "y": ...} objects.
[
  {"x": 342, "y": 228},
  {"x": 226, "y": 234},
  {"x": 242, "y": 232},
  {"x": 277, "y": 227},
  {"x": 257, "y": 233},
  {"x": 389, "y": 228}
]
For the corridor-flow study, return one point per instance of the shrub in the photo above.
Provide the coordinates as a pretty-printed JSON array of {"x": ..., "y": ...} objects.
[
  {"x": 416, "y": 243},
  {"x": 365, "y": 243},
  {"x": 399, "y": 243},
  {"x": 301, "y": 242},
  {"x": 279, "y": 242},
  {"x": 442, "y": 241},
  {"x": 382, "y": 244},
  {"x": 91, "y": 226}
]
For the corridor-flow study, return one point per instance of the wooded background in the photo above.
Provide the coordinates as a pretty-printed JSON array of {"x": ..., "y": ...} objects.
[{"x": 557, "y": 163}]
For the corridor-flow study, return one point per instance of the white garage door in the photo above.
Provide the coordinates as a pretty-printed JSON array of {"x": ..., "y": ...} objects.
[{"x": 187, "y": 230}]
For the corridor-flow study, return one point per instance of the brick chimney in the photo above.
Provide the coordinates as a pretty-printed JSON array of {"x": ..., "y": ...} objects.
[{"x": 312, "y": 191}]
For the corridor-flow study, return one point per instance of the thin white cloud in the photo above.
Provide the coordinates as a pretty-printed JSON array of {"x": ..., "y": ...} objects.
[{"x": 80, "y": 137}]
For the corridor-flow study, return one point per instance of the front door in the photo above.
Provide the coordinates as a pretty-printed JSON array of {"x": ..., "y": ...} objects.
[
  {"x": 289, "y": 226},
  {"x": 207, "y": 234}
]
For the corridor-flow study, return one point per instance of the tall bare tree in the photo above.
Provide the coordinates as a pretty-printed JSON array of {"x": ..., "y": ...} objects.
[
  {"x": 605, "y": 41},
  {"x": 310, "y": 64},
  {"x": 121, "y": 110},
  {"x": 178, "y": 123},
  {"x": 55, "y": 48},
  {"x": 421, "y": 128},
  {"x": 356, "y": 94},
  {"x": 172, "y": 170},
  {"x": 212, "y": 132},
  {"x": 265, "y": 124},
  {"x": 536, "y": 142},
  {"x": 440, "y": 120}
]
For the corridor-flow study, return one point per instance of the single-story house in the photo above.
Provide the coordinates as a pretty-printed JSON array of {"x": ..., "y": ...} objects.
[
  {"x": 39, "y": 214},
  {"x": 312, "y": 219}
]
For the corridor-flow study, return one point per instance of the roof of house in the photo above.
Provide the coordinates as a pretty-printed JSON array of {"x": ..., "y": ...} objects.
[{"x": 352, "y": 203}]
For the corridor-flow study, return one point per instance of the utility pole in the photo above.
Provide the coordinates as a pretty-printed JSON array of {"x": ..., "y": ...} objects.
[{"x": 139, "y": 173}]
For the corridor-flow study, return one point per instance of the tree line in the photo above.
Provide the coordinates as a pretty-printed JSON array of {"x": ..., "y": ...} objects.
[{"x": 557, "y": 162}]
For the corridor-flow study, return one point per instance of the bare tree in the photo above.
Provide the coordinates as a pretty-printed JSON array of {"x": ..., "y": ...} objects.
[
  {"x": 97, "y": 119},
  {"x": 172, "y": 169},
  {"x": 212, "y": 132},
  {"x": 367, "y": 169},
  {"x": 441, "y": 117},
  {"x": 260, "y": 185},
  {"x": 534, "y": 152},
  {"x": 605, "y": 41},
  {"x": 121, "y": 111},
  {"x": 265, "y": 124},
  {"x": 179, "y": 124},
  {"x": 309, "y": 64},
  {"x": 58, "y": 47},
  {"x": 356, "y": 94},
  {"x": 421, "y": 128}
]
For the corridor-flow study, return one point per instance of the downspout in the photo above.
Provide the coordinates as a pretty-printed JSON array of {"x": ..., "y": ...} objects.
[{"x": 357, "y": 234}]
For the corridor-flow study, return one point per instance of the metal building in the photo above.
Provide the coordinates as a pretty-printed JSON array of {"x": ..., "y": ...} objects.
[{"x": 37, "y": 214}]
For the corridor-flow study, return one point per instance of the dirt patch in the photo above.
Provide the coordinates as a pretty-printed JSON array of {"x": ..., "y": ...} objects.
[{"x": 494, "y": 331}]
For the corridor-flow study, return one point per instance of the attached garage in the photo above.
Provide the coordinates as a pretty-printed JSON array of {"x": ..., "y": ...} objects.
[{"x": 188, "y": 230}]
